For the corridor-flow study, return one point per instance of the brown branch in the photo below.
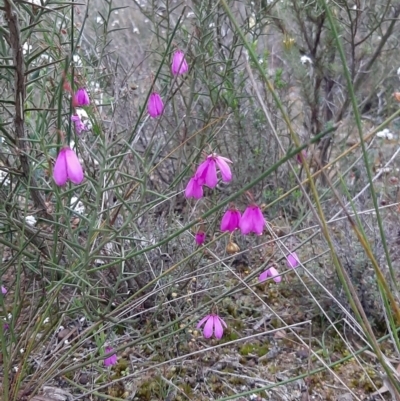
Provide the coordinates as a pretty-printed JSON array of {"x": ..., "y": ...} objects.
[{"x": 19, "y": 90}]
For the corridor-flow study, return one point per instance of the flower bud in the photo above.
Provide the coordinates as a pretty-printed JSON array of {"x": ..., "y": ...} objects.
[{"x": 232, "y": 248}]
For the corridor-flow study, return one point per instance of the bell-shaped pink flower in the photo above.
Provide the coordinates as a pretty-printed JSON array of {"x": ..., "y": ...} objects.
[
  {"x": 155, "y": 106},
  {"x": 81, "y": 98},
  {"x": 200, "y": 237},
  {"x": 213, "y": 325},
  {"x": 179, "y": 65},
  {"x": 79, "y": 125},
  {"x": 3, "y": 290},
  {"x": 206, "y": 173},
  {"x": 252, "y": 220},
  {"x": 270, "y": 272},
  {"x": 231, "y": 219},
  {"x": 298, "y": 157},
  {"x": 292, "y": 260},
  {"x": 111, "y": 360},
  {"x": 194, "y": 189},
  {"x": 67, "y": 167}
]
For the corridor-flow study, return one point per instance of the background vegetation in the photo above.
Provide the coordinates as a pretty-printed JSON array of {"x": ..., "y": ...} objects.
[{"x": 113, "y": 261}]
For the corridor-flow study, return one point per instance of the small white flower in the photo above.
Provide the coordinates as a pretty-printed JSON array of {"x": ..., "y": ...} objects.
[
  {"x": 252, "y": 23},
  {"x": 77, "y": 60},
  {"x": 81, "y": 113},
  {"x": 26, "y": 48},
  {"x": 136, "y": 30},
  {"x": 4, "y": 180},
  {"x": 386, "y": 134},
  {"x": 305, "y": 60},
  {"x": 99, "y": 20},
  {"x": 77, "y": 206},
  {"x": 66, "y": 342},
  {"x": 15, "y": 368},
  {"x": 47, "y": 320},
  {"x": 30, "y": 220},
  {"x": 190, "y": 14},
  {"x": 9, "y": 316},
  {"x": 21, "y": 351}
]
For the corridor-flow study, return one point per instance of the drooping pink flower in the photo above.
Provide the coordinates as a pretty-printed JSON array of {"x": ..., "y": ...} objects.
[
  {"x": 206, "y": 173},
  {"x": 111, "y": 360},
  {"x": 3, "y": 290},
  {"x": 213, "y": 325},
  {"x": 179, "y": 65},
  {"x": 298, "y": 157},
  {"x": 292, "y": 260},
  {"x": 81, "y": 98},
  {"x": 270, "y": 272},
  {"x": 155, "y": 106},
  {"x": 67, "y": 167},
  {"x": 78, "y": 123},
  {"x": 231, "y": 219},
  {"x": 252, "y": 220},
  {"x": 194, "y": 189},
  {"x": 200, "y": 237}
]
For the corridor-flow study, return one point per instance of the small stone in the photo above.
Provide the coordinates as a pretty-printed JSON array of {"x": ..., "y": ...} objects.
[
  {"x": 302, "y": 354},
  {"x": 63, "y": 333},
  {"x": 84, "y": 379}
]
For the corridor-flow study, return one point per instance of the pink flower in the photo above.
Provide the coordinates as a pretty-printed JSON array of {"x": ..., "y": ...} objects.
[
  {"x": 179, "y": 64},
  {"x": 231, "y": 219},
  {"x": 213, "y": 324},
  {"x": 298, "y": 157},
  {"x": 3, "y": 290},
  {"x": 292, "y": 260},
  {"x": 111, "y": 360},
  {"x": 81, "y": 98},
  {"x": 271, "y": 272},
  {"x": 252, "y": 220},
  {"x": 79, "y": 125},
  {"x": 194, "y": 189},
  {"x": 67, "y": 167},
  {"x": 206, "y": 173},
  {"x": 200, "y": 237},
  {"x": 155, "y": 106}
]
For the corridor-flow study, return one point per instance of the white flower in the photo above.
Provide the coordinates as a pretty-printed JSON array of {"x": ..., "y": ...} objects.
[
  {"x": 4, "y": 180},
  {"x": 77, "y": 206},
  {"x": 30, "y": 220},
  {"x": 47, "y": 320},
  {"x": 77, "y": 60},
  {"x": 136, "y": 30},
  {"x": 190, "y": 14},
  {"x": 99, "y": 20},
  {"x": 305, "y": 60},
  {"x": 26, "y": 48},
  {"x": 386, "y": 134}
]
